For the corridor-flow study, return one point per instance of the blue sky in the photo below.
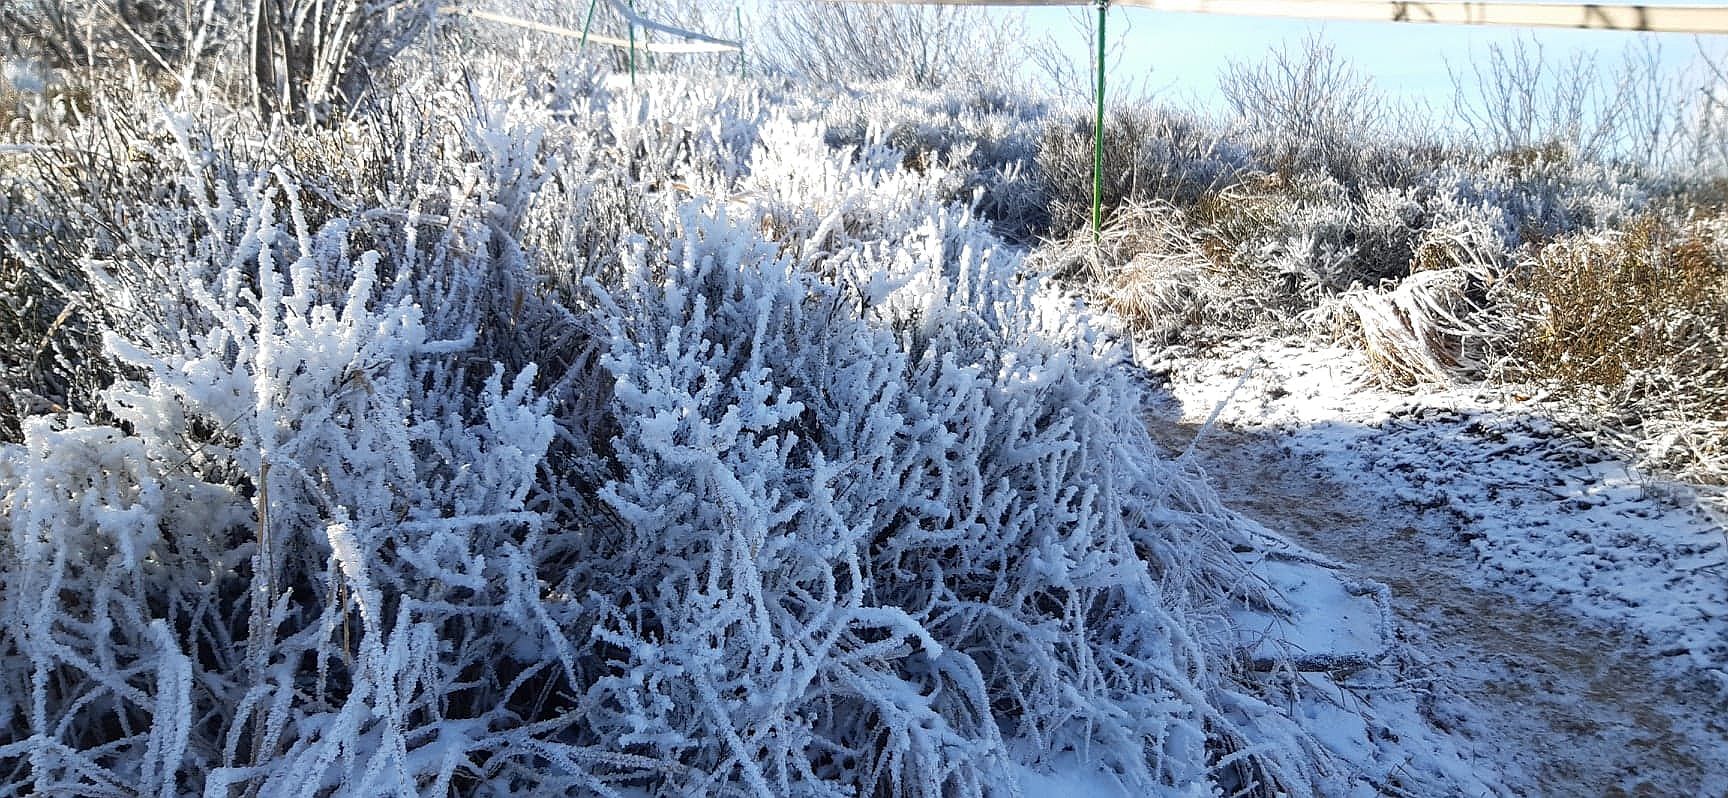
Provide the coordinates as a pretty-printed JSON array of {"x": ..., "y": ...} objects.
[{"x": 1184, "y": 52}]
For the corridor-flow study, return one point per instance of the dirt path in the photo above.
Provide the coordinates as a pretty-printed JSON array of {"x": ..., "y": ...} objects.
[{"x": 1566, "y": 708}]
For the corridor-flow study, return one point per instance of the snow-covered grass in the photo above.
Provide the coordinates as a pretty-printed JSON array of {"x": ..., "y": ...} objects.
[{"x": 542, "y": 434}]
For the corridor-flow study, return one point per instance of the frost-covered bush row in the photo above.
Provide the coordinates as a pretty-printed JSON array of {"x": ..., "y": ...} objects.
[
  {"x": 1215, "y": 227},
  {"x": 549, "y": 437},
  {"x": 1360, "y": 212},
  {"x": 1437, "y": 257}
]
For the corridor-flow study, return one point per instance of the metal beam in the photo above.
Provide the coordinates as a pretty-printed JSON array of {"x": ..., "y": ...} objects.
[{"x": 1579, "y": 16}]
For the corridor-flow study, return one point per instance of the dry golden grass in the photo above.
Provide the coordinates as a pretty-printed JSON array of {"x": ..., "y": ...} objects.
[
  {"x": 1156, "y": 275},
  {"x": 1604, "y": 307},
  {"x": 1242, "y": 212},
  {"x": 1634, "y": 325},
  {"x": 10, "y": 100}
]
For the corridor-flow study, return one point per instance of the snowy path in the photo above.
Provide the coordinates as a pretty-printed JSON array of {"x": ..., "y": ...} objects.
[{"x": 1570, "y": 625}]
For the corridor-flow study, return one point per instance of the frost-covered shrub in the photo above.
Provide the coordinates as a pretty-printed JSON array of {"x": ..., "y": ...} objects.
[
  {"x": 11, "y": 93},
  {"x": 306, "y": 59},
  {"x": 74, "y": 34},
  {"x": 1311, "y": 240},
  {"x": 268, "y": 564},
  {"x": 1309, "y": 108},
  {"x": 988, "y": 139},
  {"x": 1153, "y": 269},
  {"x": 1539, "y": 195},
  {"x": 38, "y": 362},
  {"x": 824, "y": 43},
  {"x": 50, "y": 356},
  {"x": 478, "y": 447},
  {"x": 942, "y": 527}
]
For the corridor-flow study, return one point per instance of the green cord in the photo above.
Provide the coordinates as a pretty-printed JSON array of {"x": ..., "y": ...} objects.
[
  {"x": 738, "y": 14},
  {"x": 588, "y": 24},
  {"x": 1098, "y": 132},
  {"x": 632, "y": 26}
]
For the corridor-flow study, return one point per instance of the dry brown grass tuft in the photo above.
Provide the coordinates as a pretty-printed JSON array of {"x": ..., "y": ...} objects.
[
  {"x": 1156, "y": 275},
  {"x": 1245, "y": 211},
  {"x": 1425, "y": 330},
  {"x": 1150, "y": 268},
  {"x": 1605, "y": 307},
  {"x": 1635, "y": 324},
  {"x": 11, "y": 101}
]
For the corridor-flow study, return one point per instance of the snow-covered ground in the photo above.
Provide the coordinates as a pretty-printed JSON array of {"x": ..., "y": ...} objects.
[{"x": 1562, "y": 622}]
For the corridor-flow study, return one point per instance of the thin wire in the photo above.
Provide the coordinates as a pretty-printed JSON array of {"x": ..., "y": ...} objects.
[{"x": 738, "y": 15}]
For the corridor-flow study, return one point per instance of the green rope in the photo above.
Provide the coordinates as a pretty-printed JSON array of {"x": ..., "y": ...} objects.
[
  {"x": 632, "y": 27},
  {"x": 1098, "y": 132},
  {"x": 738, "y": 14},
  {"x": 588, "y": 24}
]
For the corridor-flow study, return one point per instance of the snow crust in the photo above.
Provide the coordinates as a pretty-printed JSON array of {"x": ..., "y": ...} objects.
[
  {"x": 1557, "y": 615},
  {"x": 1551, "y": 516}
]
